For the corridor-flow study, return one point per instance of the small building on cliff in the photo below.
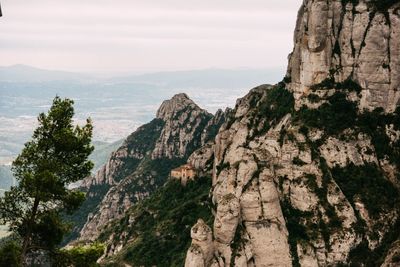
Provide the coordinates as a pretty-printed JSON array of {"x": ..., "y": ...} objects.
[{"x": 184, "y": 173}]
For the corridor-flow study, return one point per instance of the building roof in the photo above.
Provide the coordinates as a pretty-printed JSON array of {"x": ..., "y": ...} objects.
[{"x": 183, "y": 167}]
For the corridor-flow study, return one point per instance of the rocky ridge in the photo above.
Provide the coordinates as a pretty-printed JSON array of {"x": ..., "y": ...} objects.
[
  {"x": 283, "y": 192},
  {"x": 306, "y": 173},
  {"x": 144, "y": 160}
]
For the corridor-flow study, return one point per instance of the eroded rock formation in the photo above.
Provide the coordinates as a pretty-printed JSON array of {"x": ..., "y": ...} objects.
[
  {"x": 279, "y": 195},
  {"x": 145, "y": 159},
  {"x": 348, "y": 40}
]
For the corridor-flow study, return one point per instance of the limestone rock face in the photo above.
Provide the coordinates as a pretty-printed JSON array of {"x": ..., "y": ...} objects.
[
  {"x": 122, "y": 163},
  {"x": 140, "y": 165},
  {"x": 202, "y": 159},
  {"x": 184, "y": 125},
  {"x": 287, "y": 192},
  {"x": 341, "y": 40},
  {"x": 201, "y": 252},
  {"x": 227, "y": 219},
  {"x": 112, "y": 172},
  {"x": 341, "y": 153},
  {"x": 268, "y": 184}
]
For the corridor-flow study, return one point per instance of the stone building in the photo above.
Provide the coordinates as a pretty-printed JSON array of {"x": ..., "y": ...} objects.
[{"x": 184, "y": 173}]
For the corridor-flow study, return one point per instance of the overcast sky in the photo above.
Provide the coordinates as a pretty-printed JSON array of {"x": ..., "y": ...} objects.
[{"x": 147, "y": 35}]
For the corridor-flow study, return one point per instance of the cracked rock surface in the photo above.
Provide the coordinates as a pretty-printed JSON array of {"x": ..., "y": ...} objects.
[{"x": 348, "y": 40}]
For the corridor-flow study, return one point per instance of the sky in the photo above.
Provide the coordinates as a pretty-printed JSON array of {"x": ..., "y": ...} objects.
[{"x": 147, "y": 35}]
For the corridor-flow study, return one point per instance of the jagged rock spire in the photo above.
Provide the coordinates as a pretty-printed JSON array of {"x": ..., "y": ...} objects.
[{"x": 178, "y": 103}]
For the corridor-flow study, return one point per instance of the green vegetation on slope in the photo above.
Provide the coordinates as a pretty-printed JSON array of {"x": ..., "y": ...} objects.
[
  {"x": 10, "y": 253},
  {"x": 368, "y": 184},
  {"x": 159, "y": 227},
  {"x": 141, "y": 141},
  {"x": 270, "y": 108},
  {"x": 339, "y": 113},
  {"x": 297, "y": 231},
  {"x": 79, "y": 256},
  {"x": 333, "y": 116}
]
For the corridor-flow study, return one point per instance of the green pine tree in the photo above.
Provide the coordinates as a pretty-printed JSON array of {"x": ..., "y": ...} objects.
[{"x": 56, "y": 156}]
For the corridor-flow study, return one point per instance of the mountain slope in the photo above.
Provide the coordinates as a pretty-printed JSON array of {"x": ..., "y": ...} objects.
[
  {"x": 304, "y": 185},
  {"x": 157, "y": 230},
  {"x": 143, "y": 163},
  {"x": 304, "y": 173},
  {"x": 307, "y": 172}
]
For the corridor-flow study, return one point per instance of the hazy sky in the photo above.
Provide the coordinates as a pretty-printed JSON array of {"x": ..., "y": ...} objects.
[{"x": 147, "y": 35}]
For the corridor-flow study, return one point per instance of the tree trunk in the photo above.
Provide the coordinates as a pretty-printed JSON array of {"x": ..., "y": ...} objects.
[{"x": 28, "y": 234}]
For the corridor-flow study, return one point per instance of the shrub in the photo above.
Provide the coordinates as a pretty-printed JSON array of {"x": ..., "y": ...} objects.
[
  {"x": 333, "y": 117},
  {"x": 10, "y": 254},
  {"x": 79, "y": 256},
  {"x": 368, "y": 183},
  {"x": 298, "y": 161},
  {"x": 297, "y": 231},
  {"x": 163, "y": 241},
  {"x": 278, "y": 103}
]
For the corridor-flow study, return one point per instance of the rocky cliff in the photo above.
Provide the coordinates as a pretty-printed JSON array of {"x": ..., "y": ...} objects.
[
  {"x": 303, "y": 173},
  {"x": 306, "y": 173},
  {"x": 143, "y": 162},
  {"x": 342, "y": 40},
  {"x": 299, "y": 188}
]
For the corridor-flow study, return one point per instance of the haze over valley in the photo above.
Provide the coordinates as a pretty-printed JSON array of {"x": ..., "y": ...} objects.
[{"x": 117, "y": 105}]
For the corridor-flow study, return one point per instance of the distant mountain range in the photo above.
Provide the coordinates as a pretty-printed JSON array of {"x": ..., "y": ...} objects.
[
  {"x": 225, "y": 78},
  {"x": 24, "y": 73}
]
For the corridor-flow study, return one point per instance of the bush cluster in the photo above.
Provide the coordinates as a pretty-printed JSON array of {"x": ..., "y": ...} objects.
[{"x": 161, "y": 231}]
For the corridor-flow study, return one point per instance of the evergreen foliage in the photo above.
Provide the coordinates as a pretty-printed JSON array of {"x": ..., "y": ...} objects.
[
  {"x": 333, "y": 117},
  {"x": 79, "y": 256},
  {"x": 56, "y": 156},
  {"x": 367, "y": 183},
  {"x": 10, "y": 253}
]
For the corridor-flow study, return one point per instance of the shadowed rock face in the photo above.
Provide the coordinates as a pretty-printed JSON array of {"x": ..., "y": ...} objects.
[{"x": 341, "y": 41}]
